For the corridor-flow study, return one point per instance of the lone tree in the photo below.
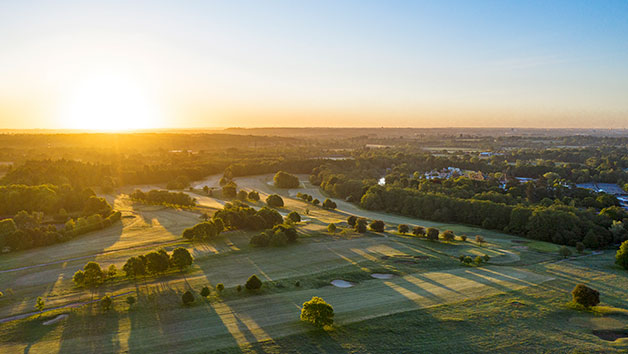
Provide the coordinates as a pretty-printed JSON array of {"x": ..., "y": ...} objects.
[
  {"x": 432, "y": 234},
  {"x": 331, "y": 228},
  {"x": 253, "y": 283},
  {"x": 585, "y": 296},
  {"x": 40, "y": 304},
  {"x": 205, "y": 291},
  {"x": 377, "y": 226},
  {"x": 294, "y": 216},
  {"x": 564, "y": 252},
  {"x": 418, "y": 231},
  {"x": 106, "y": 302},
  {"x": 621, "y": 258},
  {"x": 181, "y": 258},
  {"x": 318, "y": 312},
  {"x": 403, "y": 228},
  {"x": 285, "y": 180},
  {"x": 187, "y": 298},
  {"x": 274, "y": 201}
]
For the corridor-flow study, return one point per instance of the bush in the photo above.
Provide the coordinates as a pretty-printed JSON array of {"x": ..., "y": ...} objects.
[
  {"x": 106, "y": 302},
  {"x": 621, "y": 257},
  {"x": 274, "y": 201},
  {"x": 205, "y": 291},
  {"x": 351, "y": 220},
  {"x": 403, "y": 229},
  {"x": 331, "y": 228},
  {"x": 580, "y": 247},
  {"x": 318, "y": 312},
  {"x": 564, "y": 252},
  {"x": 253, "y": 283},
  {"x": 377, "y": 226},
  {"x": 418, "y": 231},
  {"x": 432, "y": 234},
  {"x": 360, "y": 225},
  {"x": 187, "y": 298},
  {"x": 220, "y": 287},
  {"x": 449, "y": 236},
  {"x": 463, "y": 238},
  {"x": 285, "y": 180},
  {"x": 294, "y": 216},
  {"x": 585, "y": 296}
]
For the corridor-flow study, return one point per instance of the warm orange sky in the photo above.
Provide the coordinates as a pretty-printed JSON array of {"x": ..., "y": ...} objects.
[{"x": 122, "y": 65}]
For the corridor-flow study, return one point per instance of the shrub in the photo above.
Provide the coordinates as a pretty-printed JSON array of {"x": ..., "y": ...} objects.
[
  {"x": 585, "y": 296},
  {"x": 274, "y": 201},
  {"x": 294, "y": 216},
  {"x": 403, "y": 228},
  {"x": 564, "y": 252},
  {"x": 254, "y": 196},
  {"x": 351, "y": 220},
  {"x": 360, "y": 225},
  {"x": 285, "y": 180},
  {"x": 205, "y": 291},
  {"x": 432, "y": 234},
  {"x": 377, "y": 226},
  {"x": 220, "y": 287},
  {"x": 580, "y": 247},
  {"x": 418, "y": 231},
  {"x": 253, "y": 283},
  {"x": 621, "y": 257},
  {"x": 331, "y": 228},
  {"x": 187, "y": 298},
  {"x": 329, "y": 204},
  {"x": 463, "y": 238},
  {"x": 318, "y": 312},
  {"x": 106, "y": 302},
  {"x": 449, "y": 236}
]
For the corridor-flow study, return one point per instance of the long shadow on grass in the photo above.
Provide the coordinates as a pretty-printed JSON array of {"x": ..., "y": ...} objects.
[{"x": 91, "y": 331}]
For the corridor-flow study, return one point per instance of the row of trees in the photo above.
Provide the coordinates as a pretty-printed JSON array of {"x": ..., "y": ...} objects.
[
  {"x": 207, "y": 230},
  {"x": 327, "y": 204},
  {"x": 238, "y": 215},
  {"x": 557, "y": 223},
  {"x": 157, "y": 262},
  {"x": 278, "y": 236},
  {"x": 51, "y": 200},
  {"x": 163, "y": 197}
]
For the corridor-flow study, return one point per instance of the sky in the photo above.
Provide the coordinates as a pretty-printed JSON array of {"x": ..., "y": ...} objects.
[{"x": 114, "y": 65}]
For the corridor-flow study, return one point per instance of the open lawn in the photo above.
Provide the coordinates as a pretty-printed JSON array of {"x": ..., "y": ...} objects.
[{"x": 432, "y": 303}]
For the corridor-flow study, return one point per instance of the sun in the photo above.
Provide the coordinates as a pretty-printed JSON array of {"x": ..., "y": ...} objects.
[{"x": 109, "y": 103}]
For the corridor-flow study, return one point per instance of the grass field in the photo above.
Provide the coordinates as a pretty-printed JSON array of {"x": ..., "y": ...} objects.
[{"x": 432, "y": 303}]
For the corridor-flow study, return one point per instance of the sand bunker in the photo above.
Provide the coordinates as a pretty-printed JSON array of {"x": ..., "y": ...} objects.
[
  {"x": 341, "y": 283},
  {"x": 56, "y": 319},
  {"x": 381, "y": 276}
]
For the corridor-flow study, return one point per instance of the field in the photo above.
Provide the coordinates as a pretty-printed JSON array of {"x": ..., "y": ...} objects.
[{"x": 429, "y": 303}]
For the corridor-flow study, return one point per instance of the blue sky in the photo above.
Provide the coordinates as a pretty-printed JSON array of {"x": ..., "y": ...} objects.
[{"x": 331, "y": 63}]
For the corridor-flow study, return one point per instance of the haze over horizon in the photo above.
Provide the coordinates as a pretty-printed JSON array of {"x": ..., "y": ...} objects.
[{"x": 150, "y": 65}]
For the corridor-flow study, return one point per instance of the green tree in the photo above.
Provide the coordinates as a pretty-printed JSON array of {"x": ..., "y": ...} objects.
[
  {"x": 377, "y": 226},
  {"x": 285, "y": 180},
  {"x": 331, "y": 228},
  {"x": 229, "y": 190},
  {"x": 253, "y": 283},
  {"x": 242, "y": 195},
  {"x": 134, "y": 267},
  {"x": 254, "y": 196},
  {"x": 79, "y": 278},
  {"x": 187, "y": 298},
  {"x": 294, "y": 216},
  {"x": 418, "y": 231},
  {"x": 479, "y": 239},
  {"x": 564, "y": 252},
  {"x": 130, "y": 300},
  {"x": 220, "y": 287},
  {"x": 318, "y": 312},
  {"x": 403, "y": 229},
  {"x": 274, "y": 201},
  {"x": 351, "y": 220},
  {"x": 360, "y": 225},
  {"x": 449, "y": 236},
  {"x": 112, "y": 271},
  {"x": 157, "y": 262},
  {"x": 205, "y": 291},
  {"x": 329, "y": 204},
  {"x": 40, "y": 304},
  {"x": 621, "y": 257},
  {"x": 94, "y": 276},
  {"x": 106, "y": 302},
  {"x": 432, "y": 234},
  {"x": 181, "y": 258},
  {"x": 585, "y": 296}
]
